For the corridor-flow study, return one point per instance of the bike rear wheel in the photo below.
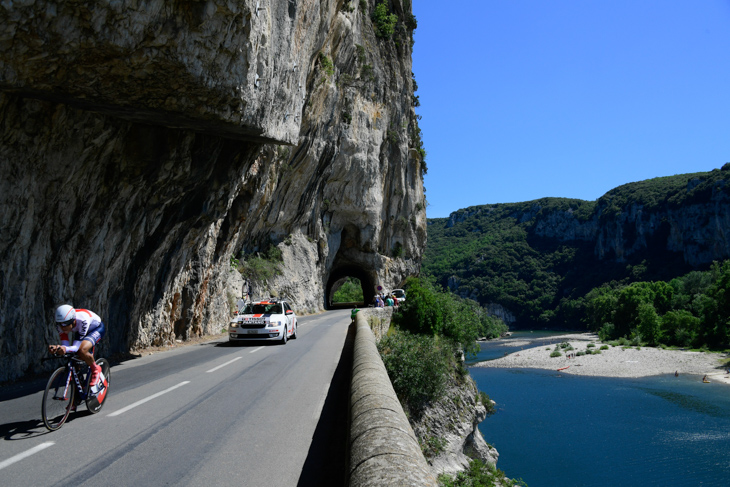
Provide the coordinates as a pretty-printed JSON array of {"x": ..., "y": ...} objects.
[
  {"x": 94, "y": 402},
  {"x": 57, "y": 399}
]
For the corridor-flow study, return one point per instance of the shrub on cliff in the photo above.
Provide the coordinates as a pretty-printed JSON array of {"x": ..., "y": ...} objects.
[
  {"x": 384, "y": 21},
  {"x": 479, "y": 474},
  {"x": 417, "y": 365},
  {"x": 261, "y": 266}
]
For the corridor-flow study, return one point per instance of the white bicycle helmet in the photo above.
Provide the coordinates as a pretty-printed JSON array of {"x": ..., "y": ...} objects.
[{"x": 65, "y": 314}]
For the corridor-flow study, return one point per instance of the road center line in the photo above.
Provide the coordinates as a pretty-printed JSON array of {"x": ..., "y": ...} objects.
[
  {"x": 153, "y": 396},
  {"x": 25, "y": 454},
  {"x": 255, "y": 350},
  {"x": 223, "y": 365}
]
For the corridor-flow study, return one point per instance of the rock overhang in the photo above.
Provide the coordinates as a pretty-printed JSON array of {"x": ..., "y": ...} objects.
[{"x": 234, "y": 68}]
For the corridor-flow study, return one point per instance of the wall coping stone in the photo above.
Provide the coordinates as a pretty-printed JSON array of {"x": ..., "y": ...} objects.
[{"x": 383, "y": 448}]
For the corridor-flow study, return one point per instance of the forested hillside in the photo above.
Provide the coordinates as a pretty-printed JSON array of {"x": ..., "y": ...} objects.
[{"x": 538, "y": 260}]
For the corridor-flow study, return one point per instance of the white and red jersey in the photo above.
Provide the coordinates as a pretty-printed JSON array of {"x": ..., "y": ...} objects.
[{"x": 86, "y": 322}]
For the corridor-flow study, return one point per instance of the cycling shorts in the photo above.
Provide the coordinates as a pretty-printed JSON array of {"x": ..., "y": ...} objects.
[{"x": 96, "y": 335}]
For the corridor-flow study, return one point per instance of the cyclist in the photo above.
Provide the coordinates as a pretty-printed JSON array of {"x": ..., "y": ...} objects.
[{"x": 88, "y": 331}]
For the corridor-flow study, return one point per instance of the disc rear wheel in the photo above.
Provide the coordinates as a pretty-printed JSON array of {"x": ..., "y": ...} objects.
[
  {"x": 57, "y": 399},
  {"x": 94, "y": 402}
]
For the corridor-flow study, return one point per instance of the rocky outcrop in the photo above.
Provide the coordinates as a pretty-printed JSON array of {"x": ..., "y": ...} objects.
[
  {"x": 448, "y": 429},
  {"x": 145, "y": 144},
  {"x": 693, "y": 220}
]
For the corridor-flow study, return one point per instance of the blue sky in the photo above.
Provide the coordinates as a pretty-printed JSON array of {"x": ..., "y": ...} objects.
[{"x": 523, "y": 99}]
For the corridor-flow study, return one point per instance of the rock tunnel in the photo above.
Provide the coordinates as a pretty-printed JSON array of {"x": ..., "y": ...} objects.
[{"x": 338, "y": 275}]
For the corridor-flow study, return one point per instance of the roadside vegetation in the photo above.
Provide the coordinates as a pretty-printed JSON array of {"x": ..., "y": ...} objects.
[{"x": 430, "y": 332}]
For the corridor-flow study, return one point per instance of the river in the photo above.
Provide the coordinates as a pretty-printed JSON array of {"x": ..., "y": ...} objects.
[{"x": 553, "y": 429}]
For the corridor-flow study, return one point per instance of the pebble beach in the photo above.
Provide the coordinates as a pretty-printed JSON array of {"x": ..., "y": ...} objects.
[{"x": 616, "y": 361}]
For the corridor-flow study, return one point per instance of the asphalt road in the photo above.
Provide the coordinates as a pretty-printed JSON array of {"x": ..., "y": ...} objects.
[{"x": 208, "y": 414}]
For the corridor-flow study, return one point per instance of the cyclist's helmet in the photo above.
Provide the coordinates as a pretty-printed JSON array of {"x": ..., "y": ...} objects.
[{"x": 65, "y": 315}]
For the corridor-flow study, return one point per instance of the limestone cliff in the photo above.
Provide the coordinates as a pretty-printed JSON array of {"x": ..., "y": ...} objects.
[
  {"x": 527, "y": 261},
  {"x": 449, "y": 432},
  {"x": 689, "y": 215},
  {"x": 145, "y": 143}
]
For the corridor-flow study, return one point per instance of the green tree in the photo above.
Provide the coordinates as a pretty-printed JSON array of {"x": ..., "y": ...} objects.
[
  {"x": 716, "y": 311},
  {"x": 679, "y": 327},
  {"x": 649, "y": 323},
  {"x": 600, "y": 307},
  {"x": 349, "y": 292}
]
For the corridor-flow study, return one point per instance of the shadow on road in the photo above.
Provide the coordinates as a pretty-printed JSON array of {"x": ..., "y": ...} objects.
[
  {"x": 326, "y": 463},
  {"x": 24, "y": 430}
]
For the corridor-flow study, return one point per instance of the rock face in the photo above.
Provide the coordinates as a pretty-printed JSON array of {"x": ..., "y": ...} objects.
[
  {"x": 693, "y": 220},
  {"x": 144, "y": 146},
  {"x": 453, "y": 421}
]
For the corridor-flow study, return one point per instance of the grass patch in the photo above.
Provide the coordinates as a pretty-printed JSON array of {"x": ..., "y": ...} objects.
[{"x": 432, "y": 446}]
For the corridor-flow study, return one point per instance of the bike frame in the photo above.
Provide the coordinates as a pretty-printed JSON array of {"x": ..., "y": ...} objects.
[{"x": 83, "y": 391}]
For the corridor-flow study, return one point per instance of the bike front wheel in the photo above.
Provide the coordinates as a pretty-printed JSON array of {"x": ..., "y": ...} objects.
[
  {"x": 58, "y": 399},
  {"x": 95, "y": 399}
]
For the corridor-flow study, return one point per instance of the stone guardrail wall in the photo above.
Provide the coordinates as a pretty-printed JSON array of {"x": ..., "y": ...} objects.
[{"x": 383, "y": 448}]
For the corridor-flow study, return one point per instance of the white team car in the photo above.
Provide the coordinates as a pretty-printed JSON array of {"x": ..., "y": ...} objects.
[{"x": 264, "y": 320}]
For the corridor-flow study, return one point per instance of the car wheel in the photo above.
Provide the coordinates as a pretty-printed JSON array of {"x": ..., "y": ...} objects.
[
  {"x": 283, "y": 337},
  {"x": 294, "y": 333}
]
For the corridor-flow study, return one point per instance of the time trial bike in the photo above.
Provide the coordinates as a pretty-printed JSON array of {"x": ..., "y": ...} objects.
[{"x": 68, "y": 386}]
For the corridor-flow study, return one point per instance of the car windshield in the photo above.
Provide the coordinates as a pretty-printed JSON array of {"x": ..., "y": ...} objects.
[
  {"x": 398, "y": 293},
  {"x": 261, "y": 308}
]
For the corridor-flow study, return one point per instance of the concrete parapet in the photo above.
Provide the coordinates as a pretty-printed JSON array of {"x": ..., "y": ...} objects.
[
  {"x": 383, "y": 448},
  {"x": 378, "y": 319}
]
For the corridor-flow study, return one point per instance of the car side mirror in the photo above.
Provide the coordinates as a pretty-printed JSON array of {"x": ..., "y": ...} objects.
[{"x": 290, "y": 312}]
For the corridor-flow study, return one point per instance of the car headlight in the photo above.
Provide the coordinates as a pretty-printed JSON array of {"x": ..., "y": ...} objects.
[{"x": 274, "y": 324}]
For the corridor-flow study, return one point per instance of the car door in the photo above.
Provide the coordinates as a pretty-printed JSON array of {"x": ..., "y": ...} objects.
[{"x": 289, "y": 318}]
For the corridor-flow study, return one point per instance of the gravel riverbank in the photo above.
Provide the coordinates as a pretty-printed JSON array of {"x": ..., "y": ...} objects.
[{"x": 613, "y": 362}]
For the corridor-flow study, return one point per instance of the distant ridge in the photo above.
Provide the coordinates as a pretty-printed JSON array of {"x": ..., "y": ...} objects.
[{"x": 532, "y": 258}]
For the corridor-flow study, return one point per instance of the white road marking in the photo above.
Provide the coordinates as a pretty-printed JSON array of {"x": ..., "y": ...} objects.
[
  {"x": 153, "y": 396},
  {"x": 20, "y": 456},
  {"x": 255, "y": 350},
  {"x": 320, "y": 405},
  {"x": 223, "y": 365}
]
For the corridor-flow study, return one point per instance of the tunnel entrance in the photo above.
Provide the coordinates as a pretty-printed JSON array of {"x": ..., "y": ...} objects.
[{"x": 339, "y": 276}]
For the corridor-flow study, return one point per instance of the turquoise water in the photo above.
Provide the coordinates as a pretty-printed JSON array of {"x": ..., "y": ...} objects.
[{"x": 553, "y": 429}]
